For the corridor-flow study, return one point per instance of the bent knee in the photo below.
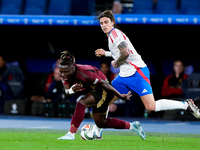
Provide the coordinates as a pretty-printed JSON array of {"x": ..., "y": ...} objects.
[
  {"x": 150, "y": 107},
  {"x": 84, "y": 102},
  {"x": 81, "y": 101},
  {"x": 112, "y": 108}
]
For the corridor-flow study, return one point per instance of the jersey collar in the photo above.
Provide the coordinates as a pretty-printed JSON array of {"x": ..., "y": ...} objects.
[{"x": 110, "y": 31}]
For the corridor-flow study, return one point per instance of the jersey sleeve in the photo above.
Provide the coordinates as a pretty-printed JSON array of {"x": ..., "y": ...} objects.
[
  {"x": 96, "y": 79},
  {"x": 99, "y": 76},
  {"x": 117, "y": 37}
]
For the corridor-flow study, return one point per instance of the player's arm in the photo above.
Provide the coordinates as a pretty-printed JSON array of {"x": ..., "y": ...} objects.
[
  {"x": 101, "y": 52},
  {"x": 67, "y": 87},
  {"x": 73, "y": 89},
  {"x": 124, "y": 53},
  {"x": 105, "y": 85}
]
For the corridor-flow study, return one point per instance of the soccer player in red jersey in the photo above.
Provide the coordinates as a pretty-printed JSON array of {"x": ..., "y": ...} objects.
[{"x": 99, "y": 94}]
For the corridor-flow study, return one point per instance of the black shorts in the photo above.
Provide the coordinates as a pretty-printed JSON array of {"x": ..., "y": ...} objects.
[{"x": 102, "y": 99}]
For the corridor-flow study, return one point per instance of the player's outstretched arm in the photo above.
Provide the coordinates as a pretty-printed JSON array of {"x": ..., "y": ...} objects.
[
  {"x": 105, "y": 85},
  {"x": 124, "y": 53},
  {"x": 101, "y": 52}
]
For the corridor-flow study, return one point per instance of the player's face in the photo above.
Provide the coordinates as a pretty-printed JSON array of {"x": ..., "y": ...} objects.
[
  {"x": 106, "y": 24},
  {"x": 66, "y": 72}
]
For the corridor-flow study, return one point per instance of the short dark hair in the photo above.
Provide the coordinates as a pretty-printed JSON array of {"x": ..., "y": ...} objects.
[{"x": 109, "y": 14}]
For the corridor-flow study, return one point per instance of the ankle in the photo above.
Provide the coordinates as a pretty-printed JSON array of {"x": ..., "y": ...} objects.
[
  {"x": 70, "y": 133},
  {"x": 73, "y": 129}
]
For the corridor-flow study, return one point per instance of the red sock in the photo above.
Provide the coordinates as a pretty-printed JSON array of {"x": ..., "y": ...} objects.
[
  {"x": 116, "y": 124},
  {"x": 77, "y": 118}
]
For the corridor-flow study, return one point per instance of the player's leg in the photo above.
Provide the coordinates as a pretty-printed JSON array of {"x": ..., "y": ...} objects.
[
  {"x": 79, "y": 114},
  {"x": 103, "y": 122},
  {"x": 143, "y": 88},
  {"x": 162, "y": 104},
  {"x": 99, "y": 115},
  {"x": 168, "y": 104},
  {"x": 146, "y": 94},
  {"x": 99, "y": 131}
]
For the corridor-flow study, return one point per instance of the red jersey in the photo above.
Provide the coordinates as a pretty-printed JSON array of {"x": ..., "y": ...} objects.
[
  {"x": 168, "y": 90},
  {"x": 86, "y": 75}
]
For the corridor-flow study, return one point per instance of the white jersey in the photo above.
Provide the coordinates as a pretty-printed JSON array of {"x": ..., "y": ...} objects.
[{"x": 133, "y": 61}]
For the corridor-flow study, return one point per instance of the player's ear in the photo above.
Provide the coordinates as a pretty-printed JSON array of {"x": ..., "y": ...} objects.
[
  {"x": 73, "y": 68},
  {"x": 113, "y": 23}
]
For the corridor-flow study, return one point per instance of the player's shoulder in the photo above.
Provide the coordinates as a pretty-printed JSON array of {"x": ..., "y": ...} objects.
[
  {"x": 86, "y": 68},
  {"x": 116, "y": 34},
  {"x": 118, "y": 30}
]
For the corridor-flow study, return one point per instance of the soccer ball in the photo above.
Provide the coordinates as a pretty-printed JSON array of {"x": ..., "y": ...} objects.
[{"x": 88, "y": 132}]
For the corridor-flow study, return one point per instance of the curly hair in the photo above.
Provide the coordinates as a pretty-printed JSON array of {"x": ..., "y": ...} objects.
[{"x": 67, "y": 58}]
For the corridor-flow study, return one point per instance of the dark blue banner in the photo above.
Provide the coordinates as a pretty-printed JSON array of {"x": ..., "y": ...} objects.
[{"x": 90, "y": 20}]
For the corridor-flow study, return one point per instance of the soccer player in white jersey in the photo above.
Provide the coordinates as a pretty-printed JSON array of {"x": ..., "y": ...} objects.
[{"x": 134, "y": 74}]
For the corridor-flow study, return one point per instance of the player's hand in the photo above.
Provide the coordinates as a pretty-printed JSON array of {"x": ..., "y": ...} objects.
[
  {"x": 77, "y": 87},
  {"x": 127, "y": 96},
  {"x": 100, "y": 52},
  {"x": 114, "y": 64}
]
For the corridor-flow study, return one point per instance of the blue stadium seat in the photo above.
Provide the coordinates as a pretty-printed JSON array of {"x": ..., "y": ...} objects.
[
  {"x": 39, "y": 65},
  {"x": 191, "y": 86},
  {"x": 167, "y": 66},
  {"x": 15, "y": 79},
  {"x": 152, "y": 67},
  {"x": 143, "y": 7},
  {"x": 91, "y": 7},
  {"x": 190, "y": 7},
  {"x": 83, "y": 7},
  {"x": 166, "y": 7},
  {"x": 11, "y": 6},
  {"x": 59, "y": 7},
  {"x": 95, "y": 63},
  {"x": 35, "y": 7}
]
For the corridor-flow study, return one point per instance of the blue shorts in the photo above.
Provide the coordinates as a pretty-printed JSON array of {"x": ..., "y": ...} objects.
[{"x": 139, "y": 82}]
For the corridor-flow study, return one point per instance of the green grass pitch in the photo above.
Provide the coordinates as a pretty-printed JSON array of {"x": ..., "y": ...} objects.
[{"x": 29, "y": 139}]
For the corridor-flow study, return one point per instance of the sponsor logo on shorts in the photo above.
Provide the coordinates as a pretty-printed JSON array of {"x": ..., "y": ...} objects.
[{"x": 144, "y": 91}]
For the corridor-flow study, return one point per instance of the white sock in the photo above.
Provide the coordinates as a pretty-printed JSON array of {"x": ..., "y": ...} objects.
[
  {"x": 70, "y": 133},
  {"x": 131, "y": 127},
  {"x": 165, "y": 104}
]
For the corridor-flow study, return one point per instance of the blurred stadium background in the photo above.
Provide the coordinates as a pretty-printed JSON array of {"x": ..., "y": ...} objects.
[{"x": 33, "y": 33}]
